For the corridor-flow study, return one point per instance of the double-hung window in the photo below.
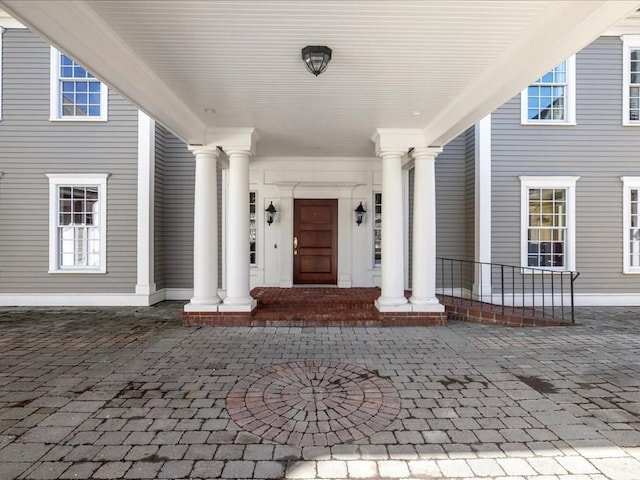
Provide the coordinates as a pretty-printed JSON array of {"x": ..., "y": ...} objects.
[
  {"x": 631, "y": 224},
  {"x": 377, "y": 229},
  {"x": 551, "y": 98},
  {"x": 631, "y": 80},
  {"x": 77, "y": 223},
  {"x": 75, "y": 93},
  {"x": 548, "y": 222}
]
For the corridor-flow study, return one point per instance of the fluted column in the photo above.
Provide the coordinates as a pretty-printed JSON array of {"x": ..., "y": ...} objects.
[
  {"x": 238, "y": 297},
  {"x": 205, "y": 233},
  {"x": 423, "y": 286},
  {"x": 392, "y": 268}
]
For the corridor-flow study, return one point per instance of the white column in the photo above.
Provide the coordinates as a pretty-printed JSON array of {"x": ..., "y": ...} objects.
[
  {"x": 145, "y": 284},
  {"x": 205, "y": 233},
  {"x": 238, "y": 297},
  {"x": 423, "y": 296},
  {"x": 482, "y": 221},
  {"x": 392, "y": 269}
]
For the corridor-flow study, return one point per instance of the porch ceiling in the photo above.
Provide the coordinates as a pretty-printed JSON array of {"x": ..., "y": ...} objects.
[{"x": 452, "y": 61}]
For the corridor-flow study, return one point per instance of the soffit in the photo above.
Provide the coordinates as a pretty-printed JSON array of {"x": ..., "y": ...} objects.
[{"x": 452, "y": 61}]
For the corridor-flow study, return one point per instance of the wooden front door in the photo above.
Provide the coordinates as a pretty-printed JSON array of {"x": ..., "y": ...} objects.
[{"x": 315, "y": 241}]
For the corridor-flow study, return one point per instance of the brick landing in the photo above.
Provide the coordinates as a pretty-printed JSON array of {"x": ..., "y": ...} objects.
[
  {"x": 353, "y": 307},
  {"x": 315, "y": 307}
]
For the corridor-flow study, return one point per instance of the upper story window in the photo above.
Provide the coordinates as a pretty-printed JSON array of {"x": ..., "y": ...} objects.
[
  {"x": 631, "y": 224},
  {"x": 548, "y": 222},
  {"x": 77, "y": 223},
  {"x": 377, "y": 228},
  {"x": 551, "y": 98},
  {"x": 75, "y": 93},
  {"x": 631, "y": 80}
]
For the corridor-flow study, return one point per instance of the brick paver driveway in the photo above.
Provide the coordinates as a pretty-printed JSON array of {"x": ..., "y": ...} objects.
[{"x": 128, "y": 393}]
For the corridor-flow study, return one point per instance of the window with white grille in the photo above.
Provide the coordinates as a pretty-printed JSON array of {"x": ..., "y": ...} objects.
[
  {"x": 377, "y": 228},
  {"x": 548, "y": 222},
  {"x": 551, "y": 98},
  {"x": 252, "y": 228},
  {"x": 77, "y": 210},
  {"x": 631, "y": 80},
  {"x": 75, "y": 93},
  {"x": 631, "y": 224}
]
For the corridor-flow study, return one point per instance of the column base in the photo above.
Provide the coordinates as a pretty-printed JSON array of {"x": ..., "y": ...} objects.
[
  {"x": 201, "y": 306},
  {"x": 425, "y": 305},
  {"x": 392, "y": 304},
  {"x": 238, "y": 305}
]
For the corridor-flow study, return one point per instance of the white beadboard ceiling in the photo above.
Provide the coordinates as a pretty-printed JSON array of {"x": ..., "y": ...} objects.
[{"x": 452, "y": 61}]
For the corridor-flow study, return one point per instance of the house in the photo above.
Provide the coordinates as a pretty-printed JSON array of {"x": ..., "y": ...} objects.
[{"x": 102, "y": 205}]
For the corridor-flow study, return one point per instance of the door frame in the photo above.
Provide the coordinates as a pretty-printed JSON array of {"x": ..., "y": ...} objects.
[
  {"x": 335, "y": 235},
  {"x": 346, "y": 204}
]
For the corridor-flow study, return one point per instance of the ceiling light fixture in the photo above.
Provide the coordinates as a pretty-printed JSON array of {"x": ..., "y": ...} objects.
[{"x": 316, "y": 58}]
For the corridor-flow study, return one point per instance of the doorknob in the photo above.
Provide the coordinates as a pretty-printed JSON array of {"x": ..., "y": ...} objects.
[{"x": 295, "y": 242}]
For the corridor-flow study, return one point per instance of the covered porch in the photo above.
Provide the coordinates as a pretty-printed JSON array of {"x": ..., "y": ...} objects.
[{"x": 227, "y": 79}]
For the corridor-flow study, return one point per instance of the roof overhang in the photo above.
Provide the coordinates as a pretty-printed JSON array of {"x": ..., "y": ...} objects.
[{"x": 439, "y": 66}]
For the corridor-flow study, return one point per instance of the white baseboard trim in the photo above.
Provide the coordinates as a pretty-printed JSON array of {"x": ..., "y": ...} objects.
[
  {"x": 178, "y": 293},
  {"x": 607, "y": 299},
  {"x": 185, "y": 294},
  {"x": 79, "y": 299}
]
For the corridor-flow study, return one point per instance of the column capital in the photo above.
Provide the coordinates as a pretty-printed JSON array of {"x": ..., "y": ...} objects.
[
  {"x": 390, "y": 153},
  {"x": 233, "y": 139},
  {"x": 426, "y": 152},
  {"x": 397, "y": 139},
  {"x": 232, "y": 152},
  {"x": 203, "y": 150}
]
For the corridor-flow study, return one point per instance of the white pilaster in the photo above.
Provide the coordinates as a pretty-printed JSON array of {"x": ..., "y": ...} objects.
[
  {"x": 205, "y": 235},
  {"x": 145, "y": 284},
  {"x": 285, "y": 215},
  {"x": 423, "y": 296},
  {"x": 238, "y": 297},
  {"x": 392, "y": 268},
  {"x": 482, "y": 220}
]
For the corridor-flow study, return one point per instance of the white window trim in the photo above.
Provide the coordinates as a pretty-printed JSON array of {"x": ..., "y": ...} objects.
[
  {"x": 571, "y": 100},
  {"x": 55, "y": 114},
  {"x": 569, "y": 183},
  {"x": 628, "y": 42},
  {"x": 61, "y": 179},
  {"x": 628, "y": 183}
]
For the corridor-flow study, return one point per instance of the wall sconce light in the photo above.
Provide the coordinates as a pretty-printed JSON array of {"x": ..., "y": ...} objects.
[
  {"x": 360, "y": 211},
  {"x": 271, "y": 213}
]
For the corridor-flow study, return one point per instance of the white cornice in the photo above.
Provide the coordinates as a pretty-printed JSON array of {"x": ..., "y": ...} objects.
[
  {"x": 233, "y": 139},
  {"x": 398, "y": 139}
]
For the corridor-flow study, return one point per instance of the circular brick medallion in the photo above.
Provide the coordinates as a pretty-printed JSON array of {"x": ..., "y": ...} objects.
[{"x": 313, "y": 403}]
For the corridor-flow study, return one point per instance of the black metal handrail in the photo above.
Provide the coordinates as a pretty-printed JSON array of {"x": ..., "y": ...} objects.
[{"x": 543, "y": 292}]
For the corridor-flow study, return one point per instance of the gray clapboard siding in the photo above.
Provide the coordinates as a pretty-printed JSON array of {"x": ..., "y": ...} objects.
[
  {"x": 470, "y": 189},
  {"x": 30, "y": 146},
  {"x": 177, "y": 235},
  {"x": 598, "y": 149},
  {"x": 159, "y": 202},
  {"x": 451, "y": 200}
]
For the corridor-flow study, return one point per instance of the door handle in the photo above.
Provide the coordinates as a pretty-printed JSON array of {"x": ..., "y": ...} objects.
[{"x": 295, "y": 242}]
